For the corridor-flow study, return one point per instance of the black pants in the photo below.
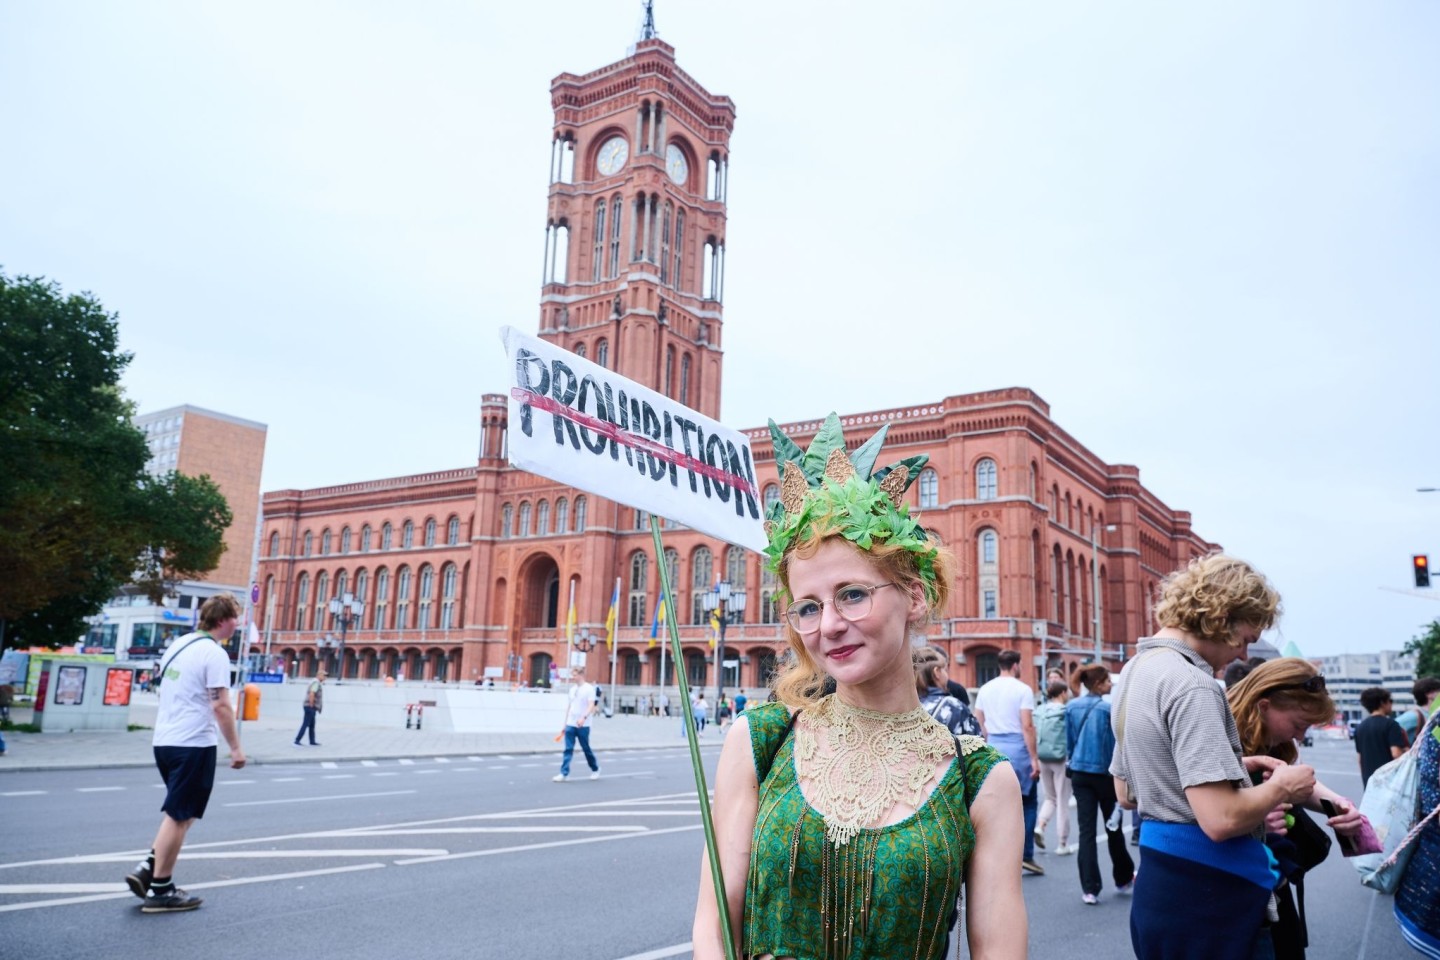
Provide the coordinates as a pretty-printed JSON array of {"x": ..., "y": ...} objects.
[
  {"x": 1095, "y": 795},
  {"x": 307, "y": 724}
]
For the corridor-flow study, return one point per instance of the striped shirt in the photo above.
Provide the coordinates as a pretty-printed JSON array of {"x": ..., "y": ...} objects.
[{"x": 1177, "y": 733}]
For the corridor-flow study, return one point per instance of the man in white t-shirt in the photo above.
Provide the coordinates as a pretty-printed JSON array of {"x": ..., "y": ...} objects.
[
  {"x": 194, "y": 701},
  {"x": 578, "y": 711},
  {"x": 1005, "y": 708}
]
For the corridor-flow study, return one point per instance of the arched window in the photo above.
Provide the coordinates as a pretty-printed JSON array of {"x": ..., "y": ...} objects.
[
  {"x": 449, "y": 579},
  {"x": 676, "y": 279},
  {"x": 309, "y": 542},
  {"x": 579, "y": 514},
  {"x": 525, "y": 519},
  {"x": 665, "y": 243},
  {"x": 986, "y": 480},
  {"x": 670, "y": 371},
  {"x": 695, "y": 668},
  {"x": 507, "y": 521},
  {"x": 430, "y": 532},
  {"x": 769, "y": 595},
  {"x": 602, "y": 353},
  {"x": 275, "y": 544},
  {"x": 929, "y": 489},
  {"x": 1055, "y": 503},
  {"x": 452, "y": 531},
  {"x": 616, "y": 210},
  {"x": 580, "y": 350},
  {"x": 386, "y": 536},
  {"x": 702, "y": 573},
  {"x": 639, "y": 586},
  {"x": 344, "y": 540},
  {"x": 325, "y": 542},
  {"x": 1069, "y": 512},
  {"x": 597, "y": 259},
  {"x": 672, "y": 562},
  {"x": 542, "y": 518},
  {"x": 427, "y": 593},
  {"x": 342, "y": 586},
  {"x": 1034, "y": 479},
  {"x": 322, "y": 599},
  {"x": 770, "y": 495},
  {"x": 365, "y": 539},
  {"x": 402, "y": 598},
  {"x": 987, "y": 556},
  {"x": 362, "y": 583},
  {"x": 642, "y": 520},
  {"x": 382, "y": 597},
  {"x": 989, "y": 546},
  {"x": 684, "y": 397},
  {"x": 737, "y": 567},
  {"x": 407, "y": 535},
  {"x": 562, "y": 514},
  {"x": 302, "y": 599}
]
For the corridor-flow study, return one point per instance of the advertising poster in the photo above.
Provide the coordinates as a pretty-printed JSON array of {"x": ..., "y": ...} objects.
[
  {"x": 70, "y": 686},
  {"x": 117, "y": 686}
]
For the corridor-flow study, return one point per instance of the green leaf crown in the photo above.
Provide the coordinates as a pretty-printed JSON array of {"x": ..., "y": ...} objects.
[{"x": 822, "y": 483}]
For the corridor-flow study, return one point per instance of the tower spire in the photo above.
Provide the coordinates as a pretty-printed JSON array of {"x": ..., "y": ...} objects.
[{"x": 647, "y": 27}]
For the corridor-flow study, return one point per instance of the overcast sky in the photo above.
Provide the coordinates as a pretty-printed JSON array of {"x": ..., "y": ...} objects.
[{"x": 1206, "y": 234}]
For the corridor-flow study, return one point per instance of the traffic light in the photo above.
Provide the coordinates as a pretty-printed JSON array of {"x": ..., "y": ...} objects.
[{"x": 1422, "y": 570}]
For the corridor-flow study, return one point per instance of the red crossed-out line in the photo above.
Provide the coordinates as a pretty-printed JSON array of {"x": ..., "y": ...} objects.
[{"x": 625, "y": 438}]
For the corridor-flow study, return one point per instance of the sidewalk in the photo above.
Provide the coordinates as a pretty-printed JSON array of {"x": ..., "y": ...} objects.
[{"x": 270, "y": 740}]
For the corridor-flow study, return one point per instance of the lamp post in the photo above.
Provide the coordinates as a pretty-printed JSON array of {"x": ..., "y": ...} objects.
[
  {"x": 1095, "y": 588},
  {"x": 728, "y": 606},
  {"x": 347, "y": 610}
]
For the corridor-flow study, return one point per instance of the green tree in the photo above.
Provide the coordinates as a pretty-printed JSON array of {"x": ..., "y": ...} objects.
[
  {"x": 1426, "y": 648},
  {"x": 79, "y": 516}
]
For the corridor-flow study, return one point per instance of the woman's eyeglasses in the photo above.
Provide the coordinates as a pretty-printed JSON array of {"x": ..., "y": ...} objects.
[
  {"x": 1315, "y": 684},
  {"x": 853, "y": 602}
]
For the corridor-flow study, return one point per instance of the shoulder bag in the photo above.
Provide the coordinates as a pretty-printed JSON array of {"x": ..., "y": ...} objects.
[{"x": 1392, "y": 805}]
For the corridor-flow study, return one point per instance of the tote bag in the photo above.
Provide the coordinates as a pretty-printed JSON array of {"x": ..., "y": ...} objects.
[{"x": 1390, "y": 802}]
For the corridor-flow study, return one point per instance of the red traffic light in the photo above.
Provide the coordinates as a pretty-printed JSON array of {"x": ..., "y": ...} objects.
[{"x": 1422, "y": 569}]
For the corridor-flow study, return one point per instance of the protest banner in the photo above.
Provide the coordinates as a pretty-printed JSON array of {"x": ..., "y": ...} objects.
[{"x": 575, "y": 421}]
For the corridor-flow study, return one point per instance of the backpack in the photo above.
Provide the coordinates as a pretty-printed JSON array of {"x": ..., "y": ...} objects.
[{"x": 1050, "y": 731}]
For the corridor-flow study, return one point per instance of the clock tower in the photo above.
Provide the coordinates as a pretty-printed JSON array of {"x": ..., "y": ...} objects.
[{"x": 635, "y": 233}]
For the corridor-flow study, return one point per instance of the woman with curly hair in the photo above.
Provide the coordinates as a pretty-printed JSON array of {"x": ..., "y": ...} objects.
[
  {"x": 1204, "y": 892},
  {"x": 848, "y": 823},
  {"x": 1273, "y": 707}
]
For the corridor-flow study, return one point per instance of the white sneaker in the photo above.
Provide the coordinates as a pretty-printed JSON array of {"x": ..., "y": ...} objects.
[
  {"x": 594, "y": 774},
  {"x": 559, "y": 778},
  {"x": 1064, "y": 851}
]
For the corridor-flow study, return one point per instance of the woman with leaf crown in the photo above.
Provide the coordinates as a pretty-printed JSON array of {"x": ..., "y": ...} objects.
[{"x": 848, "y": 824}]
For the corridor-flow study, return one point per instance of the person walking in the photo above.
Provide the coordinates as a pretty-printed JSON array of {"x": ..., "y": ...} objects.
[
  {"x": 314, "y": 704},
  {"x": 1052, "y": 747},
  {"x": 722, "y": 712},
  {"x": 1424, "y": 691},
  {"x": 194, "y": 703},
  {"x": 822, "y": 798},
  {"x": 740, "y": 702},
  {"x": 702, "y": 709},
  {"x": 1378, "y": 739},
  {"x": 932, "y": 684},
  {"x": 1206, "y": 889},
  {"x": 578, "y": 710},
  {"x": 1273, "y": 706},
  {"x": 1005, "y": 708},
  {"x": 1090, "y": 749}
]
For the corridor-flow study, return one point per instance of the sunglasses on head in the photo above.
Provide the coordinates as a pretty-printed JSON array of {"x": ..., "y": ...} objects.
[{"x": 1315, "y": 684}]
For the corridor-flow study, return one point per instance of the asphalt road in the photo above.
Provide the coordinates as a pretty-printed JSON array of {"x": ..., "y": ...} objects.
[{"x": 472, "y": 858}]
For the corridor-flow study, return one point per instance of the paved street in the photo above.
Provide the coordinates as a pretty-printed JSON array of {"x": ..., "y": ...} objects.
[{"x": 459, "y": 856}]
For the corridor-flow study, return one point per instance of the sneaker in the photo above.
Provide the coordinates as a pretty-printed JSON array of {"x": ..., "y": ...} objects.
[
  {"x": 139, "y": 879},
  {"x": 1040, "y": 838},
  {"x": 173, "y": 902},
  {"x": 594, "y": 774},
  {"x": 1090, "y": 898},
  {"x": 1126, "y": 889},
  {"x": 560, "y": 778},
  {"x": 1064, "y": 851},
  {"x": 1032, "y": 867},
  {"x": 299, "y": 744}
]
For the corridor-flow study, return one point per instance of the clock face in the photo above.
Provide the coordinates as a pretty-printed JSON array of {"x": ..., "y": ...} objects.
[
  {"x": 675, "y": 164},
  {"x": 613, "y": 155}
]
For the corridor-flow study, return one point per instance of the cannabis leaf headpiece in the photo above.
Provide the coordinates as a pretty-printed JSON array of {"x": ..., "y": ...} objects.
[{"x": 824, "y": 484}]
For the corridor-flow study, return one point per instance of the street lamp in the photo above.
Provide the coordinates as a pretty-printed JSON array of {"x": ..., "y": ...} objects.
[
  {"x": 347, "y": 610},
  {"x": 728, "y": 606},
  {"x": 1095, "y": 588}
]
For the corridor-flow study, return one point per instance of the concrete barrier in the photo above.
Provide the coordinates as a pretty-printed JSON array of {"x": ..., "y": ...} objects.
[{"x": 448, "y": 707}]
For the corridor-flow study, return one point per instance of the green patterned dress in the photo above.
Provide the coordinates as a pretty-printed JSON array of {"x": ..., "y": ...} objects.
[{"x": 890, "y": 892}]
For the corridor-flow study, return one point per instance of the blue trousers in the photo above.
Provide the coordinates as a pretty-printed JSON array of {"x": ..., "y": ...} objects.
[
  {"x": 307, "y": 724},
  {"x": 583, "y": 735}
]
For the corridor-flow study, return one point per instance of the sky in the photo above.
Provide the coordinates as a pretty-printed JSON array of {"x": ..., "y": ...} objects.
[{"x": 1205, "y": 234}]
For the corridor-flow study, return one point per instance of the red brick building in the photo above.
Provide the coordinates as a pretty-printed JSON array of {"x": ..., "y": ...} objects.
[{"x": 473, "y": 568}]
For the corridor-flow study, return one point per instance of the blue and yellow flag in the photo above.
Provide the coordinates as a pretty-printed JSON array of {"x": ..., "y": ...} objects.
[
  {"x": 659, "y": 620},
  {"x": 611, "y": 617}
]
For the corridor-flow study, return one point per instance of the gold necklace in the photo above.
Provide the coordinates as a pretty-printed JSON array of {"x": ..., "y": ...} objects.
[{"x": 857, "y": 764}]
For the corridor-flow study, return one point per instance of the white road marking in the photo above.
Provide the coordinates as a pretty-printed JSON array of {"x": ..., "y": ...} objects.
[
  {"x": 524, "y": 765},
  {"x": 547, "y": 828},
  {"x": 498, "y": 767},
  {"x": 679, "y": 950},
  {"x": 328, "y": 764},
  {"x": 442, "y": 759},
  {"x": 405, "y": 761},
  {"x": 463, "y": 769},
  {"x": 338, "y": 776},
  {"x": 23, "y": 793},
  {"x": 340, "y": 796},
  {"x": 229, "y": 782},
  {"x": 96, "y": 789},
  {"x": 474, "y": 758},
  {"x": 11, "y": 907},
  {"x": 388, "y": 773},
  {"x": 54, "y": 888},
  {"x": 546, "y": 846},
  {"x": 419, "y": 772},
  {"x": 286, "y": 779},
  {"x": 369, "y": 763},
  {"x": 504, "y": 756}
]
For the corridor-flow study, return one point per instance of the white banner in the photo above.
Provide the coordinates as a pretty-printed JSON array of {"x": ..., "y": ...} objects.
[{"x": 576, "y": 422}]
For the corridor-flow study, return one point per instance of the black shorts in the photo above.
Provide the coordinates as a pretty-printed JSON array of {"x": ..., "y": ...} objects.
[{"x": 189, "y": 775}]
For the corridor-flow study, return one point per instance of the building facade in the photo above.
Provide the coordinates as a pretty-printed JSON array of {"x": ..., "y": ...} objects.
[
  {"x": 1347, "y": 674},
  {"x": 470, "y": 572},
  {"x": 196, "y": 442}
]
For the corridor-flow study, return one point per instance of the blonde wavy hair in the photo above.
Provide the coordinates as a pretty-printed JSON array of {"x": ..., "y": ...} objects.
[
  {"x": 801, "y": 682},
  {"x": 1280, "y": 682},
  {"x": 1212, "y": 594}
]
